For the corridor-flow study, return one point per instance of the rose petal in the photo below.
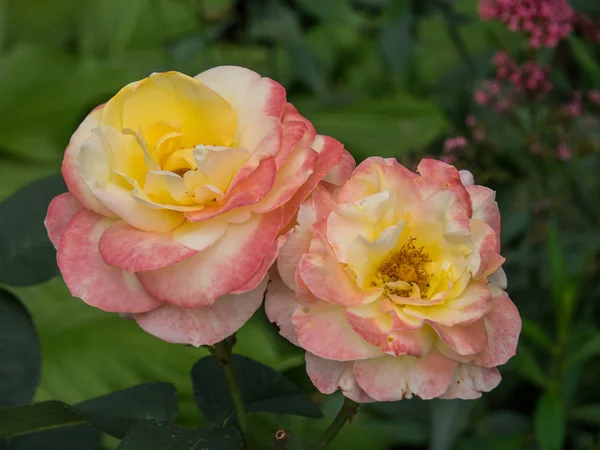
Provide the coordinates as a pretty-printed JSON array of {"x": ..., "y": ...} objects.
[
  {"x": 466, "y": 339},
  {"x": 218, "y": 270},
  {"x": 503, "y": 326},
  {"x": 392, "y": 378},
  {"x": 470, "y": 381},
  {"x": 280, "y": 306},
  {"x": 61, "y": 210},
  {"x": 205, "y": 325},
  {"x": 89, "y": 278},
  {"x": 328, "y": 376},
  {"x": 437, "y": 175},
  {"x": 323, "y": 329}
]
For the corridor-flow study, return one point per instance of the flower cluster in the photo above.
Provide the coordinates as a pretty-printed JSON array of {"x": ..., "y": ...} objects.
[
  {"x": 546, "y": 22},
  {"x": 587, "y": 27},
  {"x": 183, "y": 192}
]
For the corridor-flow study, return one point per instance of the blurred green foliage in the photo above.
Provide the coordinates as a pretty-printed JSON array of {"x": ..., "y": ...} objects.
[{"x": 386, "y": 77}]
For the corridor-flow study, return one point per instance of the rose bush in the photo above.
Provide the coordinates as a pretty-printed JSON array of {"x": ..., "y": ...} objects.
[
  {"x": 179, "y": 189},
  {"x": 393, "y": 285}
]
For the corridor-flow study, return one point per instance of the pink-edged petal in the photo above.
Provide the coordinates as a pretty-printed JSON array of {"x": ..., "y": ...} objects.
[
  {"x": 280, "y": 305},
  {"x": 70, "y": 168},
  {"x": 296, "y": 132},
  {"x": 485, "y": 208},
  {"x": 484, "y": 259},
  {"x": 218, "y": 270},
  {"x": 437, "y": 175},
  {"x": 249, "y": 94},
  {"x": 268, "y": 261},
  {"x": 467, "y": 307},
  {"x": 205, "y": 325},
  {"x": 503, "y": 326},
  {"x": 466, "y": 339},
  {"x": 326, "y": 279},
  {"x": 376, "y": 328},
  {"x": 376, "y": 174},
  {"x": 135, "y": 250},
  {"x": 323, "y": 329},
  {"x": 330, "y": 153},
  {"x": 328, "y": 376},
  {"x": 391, "y": 378},
  {"x": 245, "y": 192},
  {"x": 341, "y": 172},
  {"x": 470, "y": 381},
  {"x": 292, "y": 174},
  {"x": 263, "y": 137},
  {"x": 61, "y": 210},
  {"x": 297, "y": 245},
  {"x": 88, "y": 277},
  {"x": 466, "y": 178}
]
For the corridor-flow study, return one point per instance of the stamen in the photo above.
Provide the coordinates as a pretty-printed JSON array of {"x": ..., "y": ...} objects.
[{"x": 407, "y": 265}]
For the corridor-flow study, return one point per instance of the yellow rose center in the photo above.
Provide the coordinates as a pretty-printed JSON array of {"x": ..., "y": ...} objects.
[{"x": 407, "y": 265}]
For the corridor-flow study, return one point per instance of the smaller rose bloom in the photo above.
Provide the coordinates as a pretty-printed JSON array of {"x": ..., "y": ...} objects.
[
  {"x": 393, "y": 285},
  {"x": 180, "y": 189}
]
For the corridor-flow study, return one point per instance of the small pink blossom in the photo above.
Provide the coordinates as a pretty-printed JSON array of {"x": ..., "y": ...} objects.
[
  {"x": 545, "y": 21},
  {"x": 480, "y": 97},
  {"x": 455, "y": 143},
  {"x": 563, "y": 153},
  {"x": 471, "y": 120},
  {"x": 594, "y": 96}
]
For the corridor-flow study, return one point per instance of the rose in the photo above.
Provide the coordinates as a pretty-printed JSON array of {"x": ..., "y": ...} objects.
[
  {"x": 394, "y": 286},
  {"x": 179, "y": 188}
]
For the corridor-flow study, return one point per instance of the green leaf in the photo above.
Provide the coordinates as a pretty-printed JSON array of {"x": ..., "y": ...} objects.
[
  {"x": 162, "y": 437},
  {"x": 550, "y": 422},
  {"x": 536, "y": 333},
  {"x": 78, "y": 437},
  {"x": 89, "y": 353},
  {"x": 588, "y": 350},
  {"x": 117, "y": 412},
  {"x": 26, "y": 254},
  {"x": 586, "y": 6},
  {"x": 19, "y": 352},
  {"x": 586, "y": 60},
  {"x": 262, "y": 388},
  {"x": 398, "y": 44},
  {"x": 392, "y": 126},
  {"x": 587, "y": 414},
  {"x": 449, "y": 418},
  {"x": 528, "y": 366},
  {"x": 51, "y": 415},
  {"x": 557, "y": 265},
  {"x": 520, "y": 442}
]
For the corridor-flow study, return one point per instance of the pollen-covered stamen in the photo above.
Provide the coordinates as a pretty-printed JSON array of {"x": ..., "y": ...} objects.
[{"x": 407, "y": 265}]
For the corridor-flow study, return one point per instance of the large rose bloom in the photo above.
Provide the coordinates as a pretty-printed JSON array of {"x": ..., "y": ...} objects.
[
  {"x": 179, "y": 188},
  {"x": 393, "y": 285}
]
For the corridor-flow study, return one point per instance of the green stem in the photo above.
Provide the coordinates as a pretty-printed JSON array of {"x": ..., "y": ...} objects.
[
  {"x": 222, "y": 351},
  {"x": 347, "y": 412}
]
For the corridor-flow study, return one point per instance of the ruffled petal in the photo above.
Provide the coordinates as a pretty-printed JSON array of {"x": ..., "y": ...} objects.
[
  {"x": 326, "y": 279},
  {"x": 437, "y": 175},
  {"x": 70, "y": 168},
  {"x": 503, "y": 326},
  {"x": 246, "y": 191},
  {"x": 205, "y": 325},
  {"x": 392, "y": 378},
  {"x": 486, "y": 209},
  {"x": 61, "y": 210},
  {"x": 470, "y": 381},
  {"x": 328, "y": 376},
  {"x": 291, "y": 175},
  {"x": 340, "y": 173},
  {"x": 88, "y": 277},
  {"x": 280, "y": 306},
  {"x": 218, "y": 270},
  {"x": 323, "y": 329},
  {"x": 466, "y": 339}
]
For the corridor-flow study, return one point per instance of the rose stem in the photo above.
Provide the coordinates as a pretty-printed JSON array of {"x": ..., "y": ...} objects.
[
  {"x": 347, "y": 412},
  {"x": 223, "y": 355}
]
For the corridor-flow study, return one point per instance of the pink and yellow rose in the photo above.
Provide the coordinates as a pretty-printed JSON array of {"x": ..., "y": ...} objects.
[
  {"x": 179, "y": 189},
  {"x": 393, "y": 285}
]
